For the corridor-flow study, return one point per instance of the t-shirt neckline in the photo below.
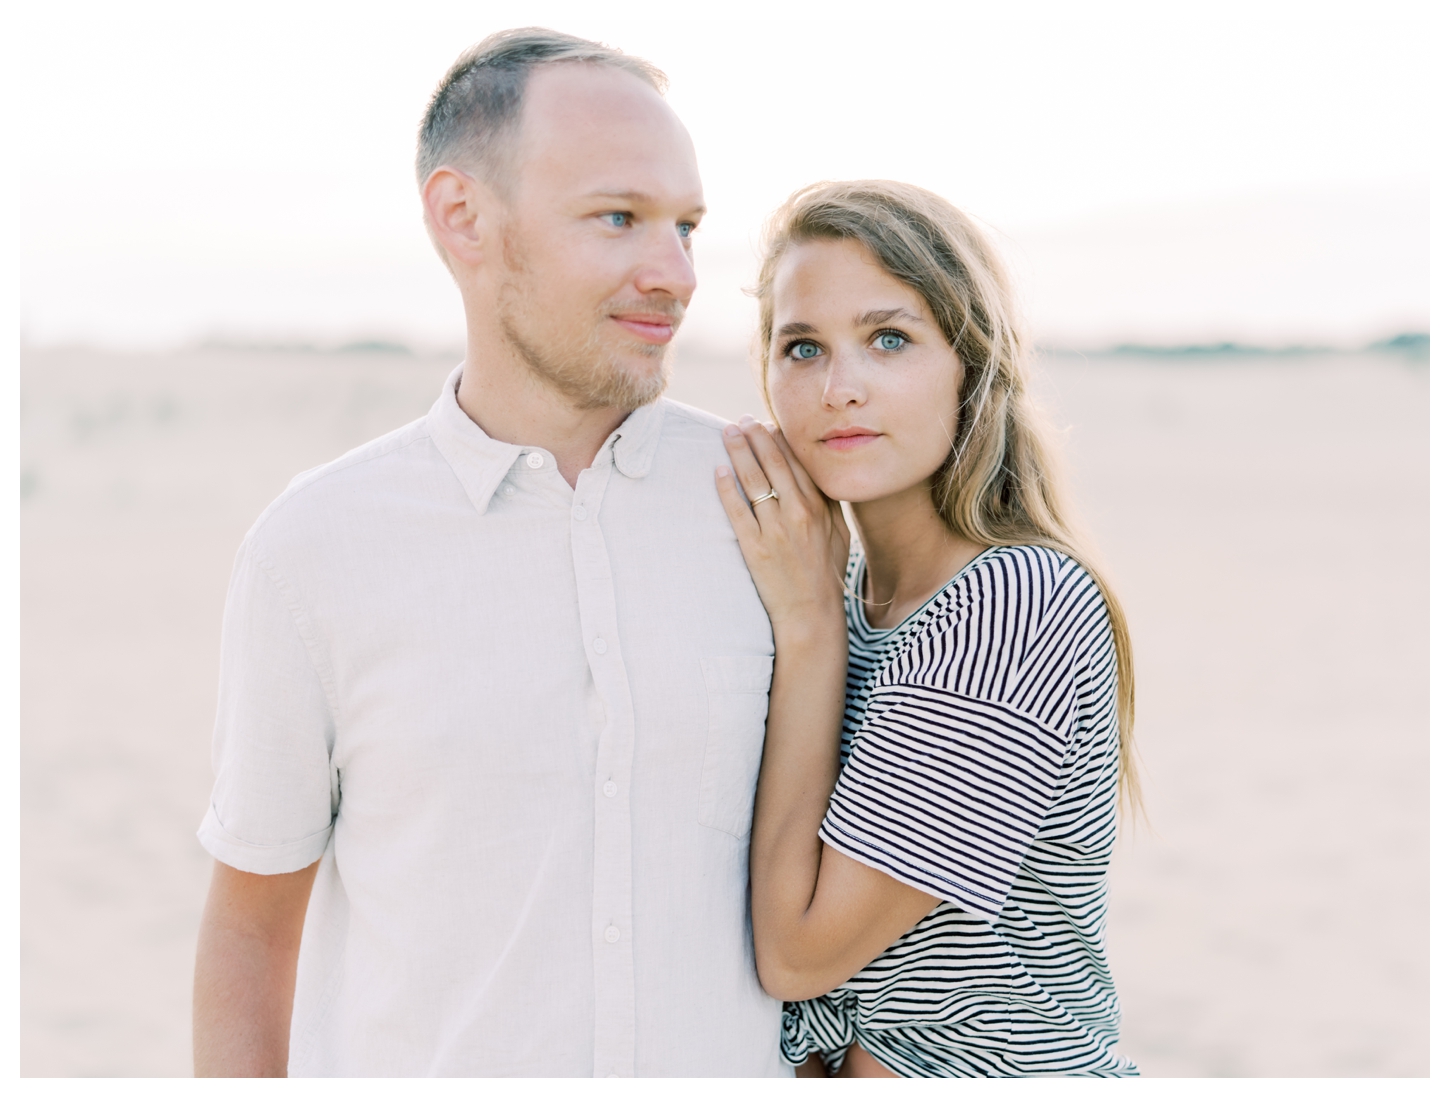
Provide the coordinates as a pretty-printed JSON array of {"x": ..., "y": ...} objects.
[{"x": 877, "y": 636}]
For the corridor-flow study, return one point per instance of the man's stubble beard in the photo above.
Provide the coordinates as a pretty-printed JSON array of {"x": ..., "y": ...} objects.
[{"x": 584, "y": 373}]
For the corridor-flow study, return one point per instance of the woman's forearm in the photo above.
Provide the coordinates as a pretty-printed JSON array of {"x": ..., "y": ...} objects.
[{"x": 798, "y": 772}]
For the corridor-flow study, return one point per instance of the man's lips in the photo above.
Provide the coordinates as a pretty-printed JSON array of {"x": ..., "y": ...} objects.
[
  {"x": 849, "y": 438},
  {"x": 652, "y": 328}
]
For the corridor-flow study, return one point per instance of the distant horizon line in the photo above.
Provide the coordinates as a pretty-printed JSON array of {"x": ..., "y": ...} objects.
[{"x": 1413, "y": 343}]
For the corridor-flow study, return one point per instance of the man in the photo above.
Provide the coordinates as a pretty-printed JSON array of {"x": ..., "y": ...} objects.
[{"x": 494, "y": 685}]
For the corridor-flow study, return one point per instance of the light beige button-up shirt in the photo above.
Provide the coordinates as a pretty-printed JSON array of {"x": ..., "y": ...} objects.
[{"x": 520, "y": 724}]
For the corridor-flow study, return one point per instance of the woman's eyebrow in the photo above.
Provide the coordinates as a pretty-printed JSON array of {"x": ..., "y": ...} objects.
[
  {"x": 881, "y": 316},
  {"x": 798, "y": 328}
]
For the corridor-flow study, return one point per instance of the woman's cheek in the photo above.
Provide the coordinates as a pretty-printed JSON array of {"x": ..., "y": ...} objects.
[{"x": 789, "y": 406}]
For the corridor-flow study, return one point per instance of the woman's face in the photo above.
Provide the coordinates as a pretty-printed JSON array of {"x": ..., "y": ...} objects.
[{"x": 863, "y": 384}]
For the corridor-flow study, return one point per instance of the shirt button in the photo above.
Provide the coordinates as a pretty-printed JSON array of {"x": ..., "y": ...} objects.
[
  {"x": 581, "y": 513},
  {"x": 535, "y": 460},
  {"x": 601, "y": 645},
  {"x": 610, "y": 789},
  {"x": 508, "y": 489},
  {"x": 612, "y": 935}
]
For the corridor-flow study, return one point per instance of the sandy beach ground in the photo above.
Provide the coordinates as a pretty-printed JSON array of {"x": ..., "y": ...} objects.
[{"x": 1266, "y": 521}]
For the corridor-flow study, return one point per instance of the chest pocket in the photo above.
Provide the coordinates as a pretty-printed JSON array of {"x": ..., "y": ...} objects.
[{"x": 739, "y": 693}]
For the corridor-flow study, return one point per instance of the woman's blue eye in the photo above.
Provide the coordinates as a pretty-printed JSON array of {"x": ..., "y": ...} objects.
[
  {"x": 618, "y": 220},
  {"x": 686, "y": 229},
  {"x": 805, "y": 350},
  {"x": 889, "y": 341}
]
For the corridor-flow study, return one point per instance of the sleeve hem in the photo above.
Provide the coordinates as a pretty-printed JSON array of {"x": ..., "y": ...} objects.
[
  {"x": 858, "y": 850},
  {"x": 266, "y": 860}
]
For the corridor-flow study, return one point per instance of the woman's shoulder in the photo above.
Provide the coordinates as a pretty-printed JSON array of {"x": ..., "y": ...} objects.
[
  {"x": 1007, "y": 596},
  {"x": 1014, "y": 632},
  {"x": 1034, "y": 574}
]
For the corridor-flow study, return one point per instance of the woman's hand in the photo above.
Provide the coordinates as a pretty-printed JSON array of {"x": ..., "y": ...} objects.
[{"x": 795, "y": 542}]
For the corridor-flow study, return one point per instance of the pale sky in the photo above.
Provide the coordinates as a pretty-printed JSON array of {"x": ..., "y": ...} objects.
[{"x": 1240, "y": 178}]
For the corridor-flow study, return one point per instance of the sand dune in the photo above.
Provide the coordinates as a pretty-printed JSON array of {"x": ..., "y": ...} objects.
[{"x": 1265, "y": 519}]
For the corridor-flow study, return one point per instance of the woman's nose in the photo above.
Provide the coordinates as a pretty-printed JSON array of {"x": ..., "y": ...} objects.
[{"x": 843, "y": 385}]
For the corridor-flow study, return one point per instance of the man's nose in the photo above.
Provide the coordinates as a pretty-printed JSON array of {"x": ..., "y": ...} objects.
[{"x": 667, "y": 267}]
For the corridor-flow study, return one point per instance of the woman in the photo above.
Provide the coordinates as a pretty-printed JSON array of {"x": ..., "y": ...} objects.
[{"x": 944, "y": 754}]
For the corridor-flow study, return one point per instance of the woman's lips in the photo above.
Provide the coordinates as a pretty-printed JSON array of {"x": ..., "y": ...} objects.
[
  {"x": 853, "y": 441},
  {"x": 649, "y": 329}
]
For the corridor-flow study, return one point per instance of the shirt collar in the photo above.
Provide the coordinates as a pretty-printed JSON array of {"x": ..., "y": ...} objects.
[
  {"x": 481, "y": 462},
  {"x": 634, "y": 441}
]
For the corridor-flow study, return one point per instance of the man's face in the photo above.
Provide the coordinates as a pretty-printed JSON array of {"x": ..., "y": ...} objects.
[{"x": 597, "y": 267}]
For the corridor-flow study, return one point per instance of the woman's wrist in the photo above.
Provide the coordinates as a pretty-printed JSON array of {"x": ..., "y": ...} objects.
[{"x": 810, "y": 630}]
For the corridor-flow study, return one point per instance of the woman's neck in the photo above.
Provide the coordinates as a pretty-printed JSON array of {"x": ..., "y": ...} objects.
[{"x": 910, "y": 554}]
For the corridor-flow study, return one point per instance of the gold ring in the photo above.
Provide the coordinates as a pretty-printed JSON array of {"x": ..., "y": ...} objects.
[{"x": 761, "y": 499}]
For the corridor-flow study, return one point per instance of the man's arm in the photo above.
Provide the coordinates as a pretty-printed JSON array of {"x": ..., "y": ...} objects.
[{"x": 246, "y": 971}]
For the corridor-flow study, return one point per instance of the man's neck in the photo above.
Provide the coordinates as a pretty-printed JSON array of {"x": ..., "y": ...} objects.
[{"x": 505, "y": 397}]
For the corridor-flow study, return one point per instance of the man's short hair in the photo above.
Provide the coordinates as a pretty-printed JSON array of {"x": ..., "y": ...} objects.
[{"x": 473, "y": 117}]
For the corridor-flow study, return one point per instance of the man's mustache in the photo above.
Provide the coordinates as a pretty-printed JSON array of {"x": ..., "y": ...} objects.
[{"x": 666, "y": 308}]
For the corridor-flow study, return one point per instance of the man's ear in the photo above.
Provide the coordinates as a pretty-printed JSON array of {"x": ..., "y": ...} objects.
[{"x": 461, "y": 214}]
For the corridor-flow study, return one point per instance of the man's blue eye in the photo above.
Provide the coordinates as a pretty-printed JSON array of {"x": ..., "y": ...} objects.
[
  {"x": 805, "y": 350},
  {"x": 891, "y": 341}
]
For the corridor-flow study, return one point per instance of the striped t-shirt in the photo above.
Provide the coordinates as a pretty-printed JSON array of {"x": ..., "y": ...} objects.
[{"x": 980, "y": 765}]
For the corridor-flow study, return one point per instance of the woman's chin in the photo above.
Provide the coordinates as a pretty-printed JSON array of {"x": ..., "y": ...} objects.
[
  {"x": 857, "y": 482},
  {"x": 853, "y": 491},
  {"x": 858, "y": 490}
]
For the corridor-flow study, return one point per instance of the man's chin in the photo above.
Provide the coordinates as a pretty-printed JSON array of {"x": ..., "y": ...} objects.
[
  {"x": 636, "y": 354},
  {"x": 642, "y": 371},
  {"x": 629, "y": 382}
]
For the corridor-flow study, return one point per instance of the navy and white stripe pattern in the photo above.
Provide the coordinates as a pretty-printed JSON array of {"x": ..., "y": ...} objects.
[{"x": 980, "y": 765}]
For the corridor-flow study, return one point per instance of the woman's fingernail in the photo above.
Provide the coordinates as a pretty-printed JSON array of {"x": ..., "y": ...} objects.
[
  {"x": 731, "y": 430},
  {"x": 746, "y": 421},
  {"x": 722, "y": 471}
]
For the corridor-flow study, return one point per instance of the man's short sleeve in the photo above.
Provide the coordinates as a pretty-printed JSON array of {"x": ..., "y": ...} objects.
[
  {"x": 945, "y": 793},
  {"x": 275, "y": 795}
]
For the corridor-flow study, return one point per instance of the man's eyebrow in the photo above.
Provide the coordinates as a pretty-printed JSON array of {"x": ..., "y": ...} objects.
[
  {"x": 881, "y": 316},
  {"x": 627, "y": 196},
  {"x": 799, "y": 328},
  {"x": 642, "y": 199}
]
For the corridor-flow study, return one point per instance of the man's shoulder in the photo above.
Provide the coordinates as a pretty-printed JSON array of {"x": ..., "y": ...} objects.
[
  {"x": 338, "y": 484},
  {"x": 686, "y": 421},
  {"x": 687, "y": 418},
  {"x": 686, "y": 428}
]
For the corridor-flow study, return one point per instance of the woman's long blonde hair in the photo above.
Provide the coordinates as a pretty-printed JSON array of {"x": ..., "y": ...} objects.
[{"x": 1001, "y": 485}]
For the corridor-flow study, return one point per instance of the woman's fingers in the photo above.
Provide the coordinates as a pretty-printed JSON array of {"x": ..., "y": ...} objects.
[
  {"x": 802, "y": 478},
  {"x": 777, "y": 470},
  {"x": 737, "y": 510},
  {"x": 742, "y": 455},
  {"x": 812, "y": 495}
]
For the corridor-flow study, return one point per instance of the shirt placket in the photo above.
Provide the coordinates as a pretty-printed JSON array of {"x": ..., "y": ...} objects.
[{"x": 612, "y": 921}]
